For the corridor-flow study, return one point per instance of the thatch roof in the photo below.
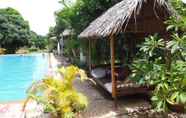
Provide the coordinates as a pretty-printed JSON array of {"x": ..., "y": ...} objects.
[
  {"x": 68, "y": 32},
  {"x": 117, "y": 17}
]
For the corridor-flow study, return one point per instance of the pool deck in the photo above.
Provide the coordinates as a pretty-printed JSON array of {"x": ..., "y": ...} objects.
[{"x": 14, "y": 110}]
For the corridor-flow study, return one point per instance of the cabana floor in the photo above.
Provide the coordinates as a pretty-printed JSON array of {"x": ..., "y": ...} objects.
[{"x": 124, "y": 88}]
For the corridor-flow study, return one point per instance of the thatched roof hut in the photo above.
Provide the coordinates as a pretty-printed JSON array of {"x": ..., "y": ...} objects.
[
  {"x": 142, "y": 17},
  {"x": 130, "y": 16},
  {"x": 67, "y": 32}
]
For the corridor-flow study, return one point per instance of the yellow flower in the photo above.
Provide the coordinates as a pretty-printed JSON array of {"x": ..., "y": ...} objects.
[
  {"x": 69, "y": 73},
  {"x": 67, "y": 109},
  {"x": 62, "y": 70}
]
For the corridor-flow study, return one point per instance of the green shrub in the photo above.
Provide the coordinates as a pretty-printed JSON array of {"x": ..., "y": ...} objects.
[
  {"x": 33, "y": 49},
  {"x": 166, "y": 74}
]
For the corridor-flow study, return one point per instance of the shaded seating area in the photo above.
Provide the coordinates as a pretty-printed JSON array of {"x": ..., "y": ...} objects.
[
  {"x": 137, "y": 18},
  {"x": 121, "y": 73},
  {"x": 103, "y": 75}
]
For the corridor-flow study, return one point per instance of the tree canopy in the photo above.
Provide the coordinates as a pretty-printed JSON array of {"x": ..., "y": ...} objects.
[
  {"x": 37, "y": 41},
  {"x": 80, "y": 14},
  {"x": 77, "y": 16},
  {"x": 14, "y": 30}
]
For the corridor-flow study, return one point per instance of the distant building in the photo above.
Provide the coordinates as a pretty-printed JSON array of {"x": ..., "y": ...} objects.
[{"x": 64, "y": 36}]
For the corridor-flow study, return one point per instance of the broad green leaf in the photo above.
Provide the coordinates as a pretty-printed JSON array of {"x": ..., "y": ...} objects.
[
  {"x": 183, "y": 98},
  {"x": 174, "y": 96}
]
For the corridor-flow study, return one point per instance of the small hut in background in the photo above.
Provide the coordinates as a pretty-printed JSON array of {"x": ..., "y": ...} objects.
[
  {"x": 66, "y": 34},
  {"x": 66, "y": 38},
  {"x": 138, "y": 18}
]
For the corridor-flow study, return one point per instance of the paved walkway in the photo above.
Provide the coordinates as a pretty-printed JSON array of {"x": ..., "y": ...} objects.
[{"x": 101, "y": 106}]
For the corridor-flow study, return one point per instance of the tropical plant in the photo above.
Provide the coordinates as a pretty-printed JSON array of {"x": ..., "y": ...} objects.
[
  {"x": 150, "y": 61},
  {"x": 178, "y": 87},
  {"x": 152, "y": 45},
  {"x": 172, "y": 89},
  {"x": 145, "y": 72},
  {"x": 179, "y": 6},
  {"x": 170, "y": 85},
  {"x": 177, "y": 46},
  {"x": 160, "y": 96},
  {"x": 150, "y": 68},
  {"x": 58, "y": 96},
  {"x": 175, "y": 24}
]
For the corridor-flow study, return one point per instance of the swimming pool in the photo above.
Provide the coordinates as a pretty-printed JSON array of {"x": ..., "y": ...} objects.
[{"x": 18, "y": 72}]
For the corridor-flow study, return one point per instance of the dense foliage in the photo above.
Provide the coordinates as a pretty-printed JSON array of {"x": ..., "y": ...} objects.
[
  {"x": 14, "y": 30},
  {"x": 77, "y": 16},
  {"x": 58, "y": 95},
  {"x": 37, "y": 41},
  {"x": 152, "y": 69},
  {"x": 80, "y": 14},
  {"x": 163, "y": 63}
]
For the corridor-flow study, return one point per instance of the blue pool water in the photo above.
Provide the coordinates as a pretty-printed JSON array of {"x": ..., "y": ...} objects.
[{"x": 18, "y": 72}]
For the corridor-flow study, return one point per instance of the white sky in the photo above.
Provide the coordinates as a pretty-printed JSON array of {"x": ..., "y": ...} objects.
[
  {"x": 184, "y": 1},
  {"x": 39, "y": 13}
]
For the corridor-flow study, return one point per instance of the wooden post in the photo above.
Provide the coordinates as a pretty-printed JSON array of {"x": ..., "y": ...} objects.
[
  {"x": 114, "y": 84},
  {"x": 89, "y": 56}
]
